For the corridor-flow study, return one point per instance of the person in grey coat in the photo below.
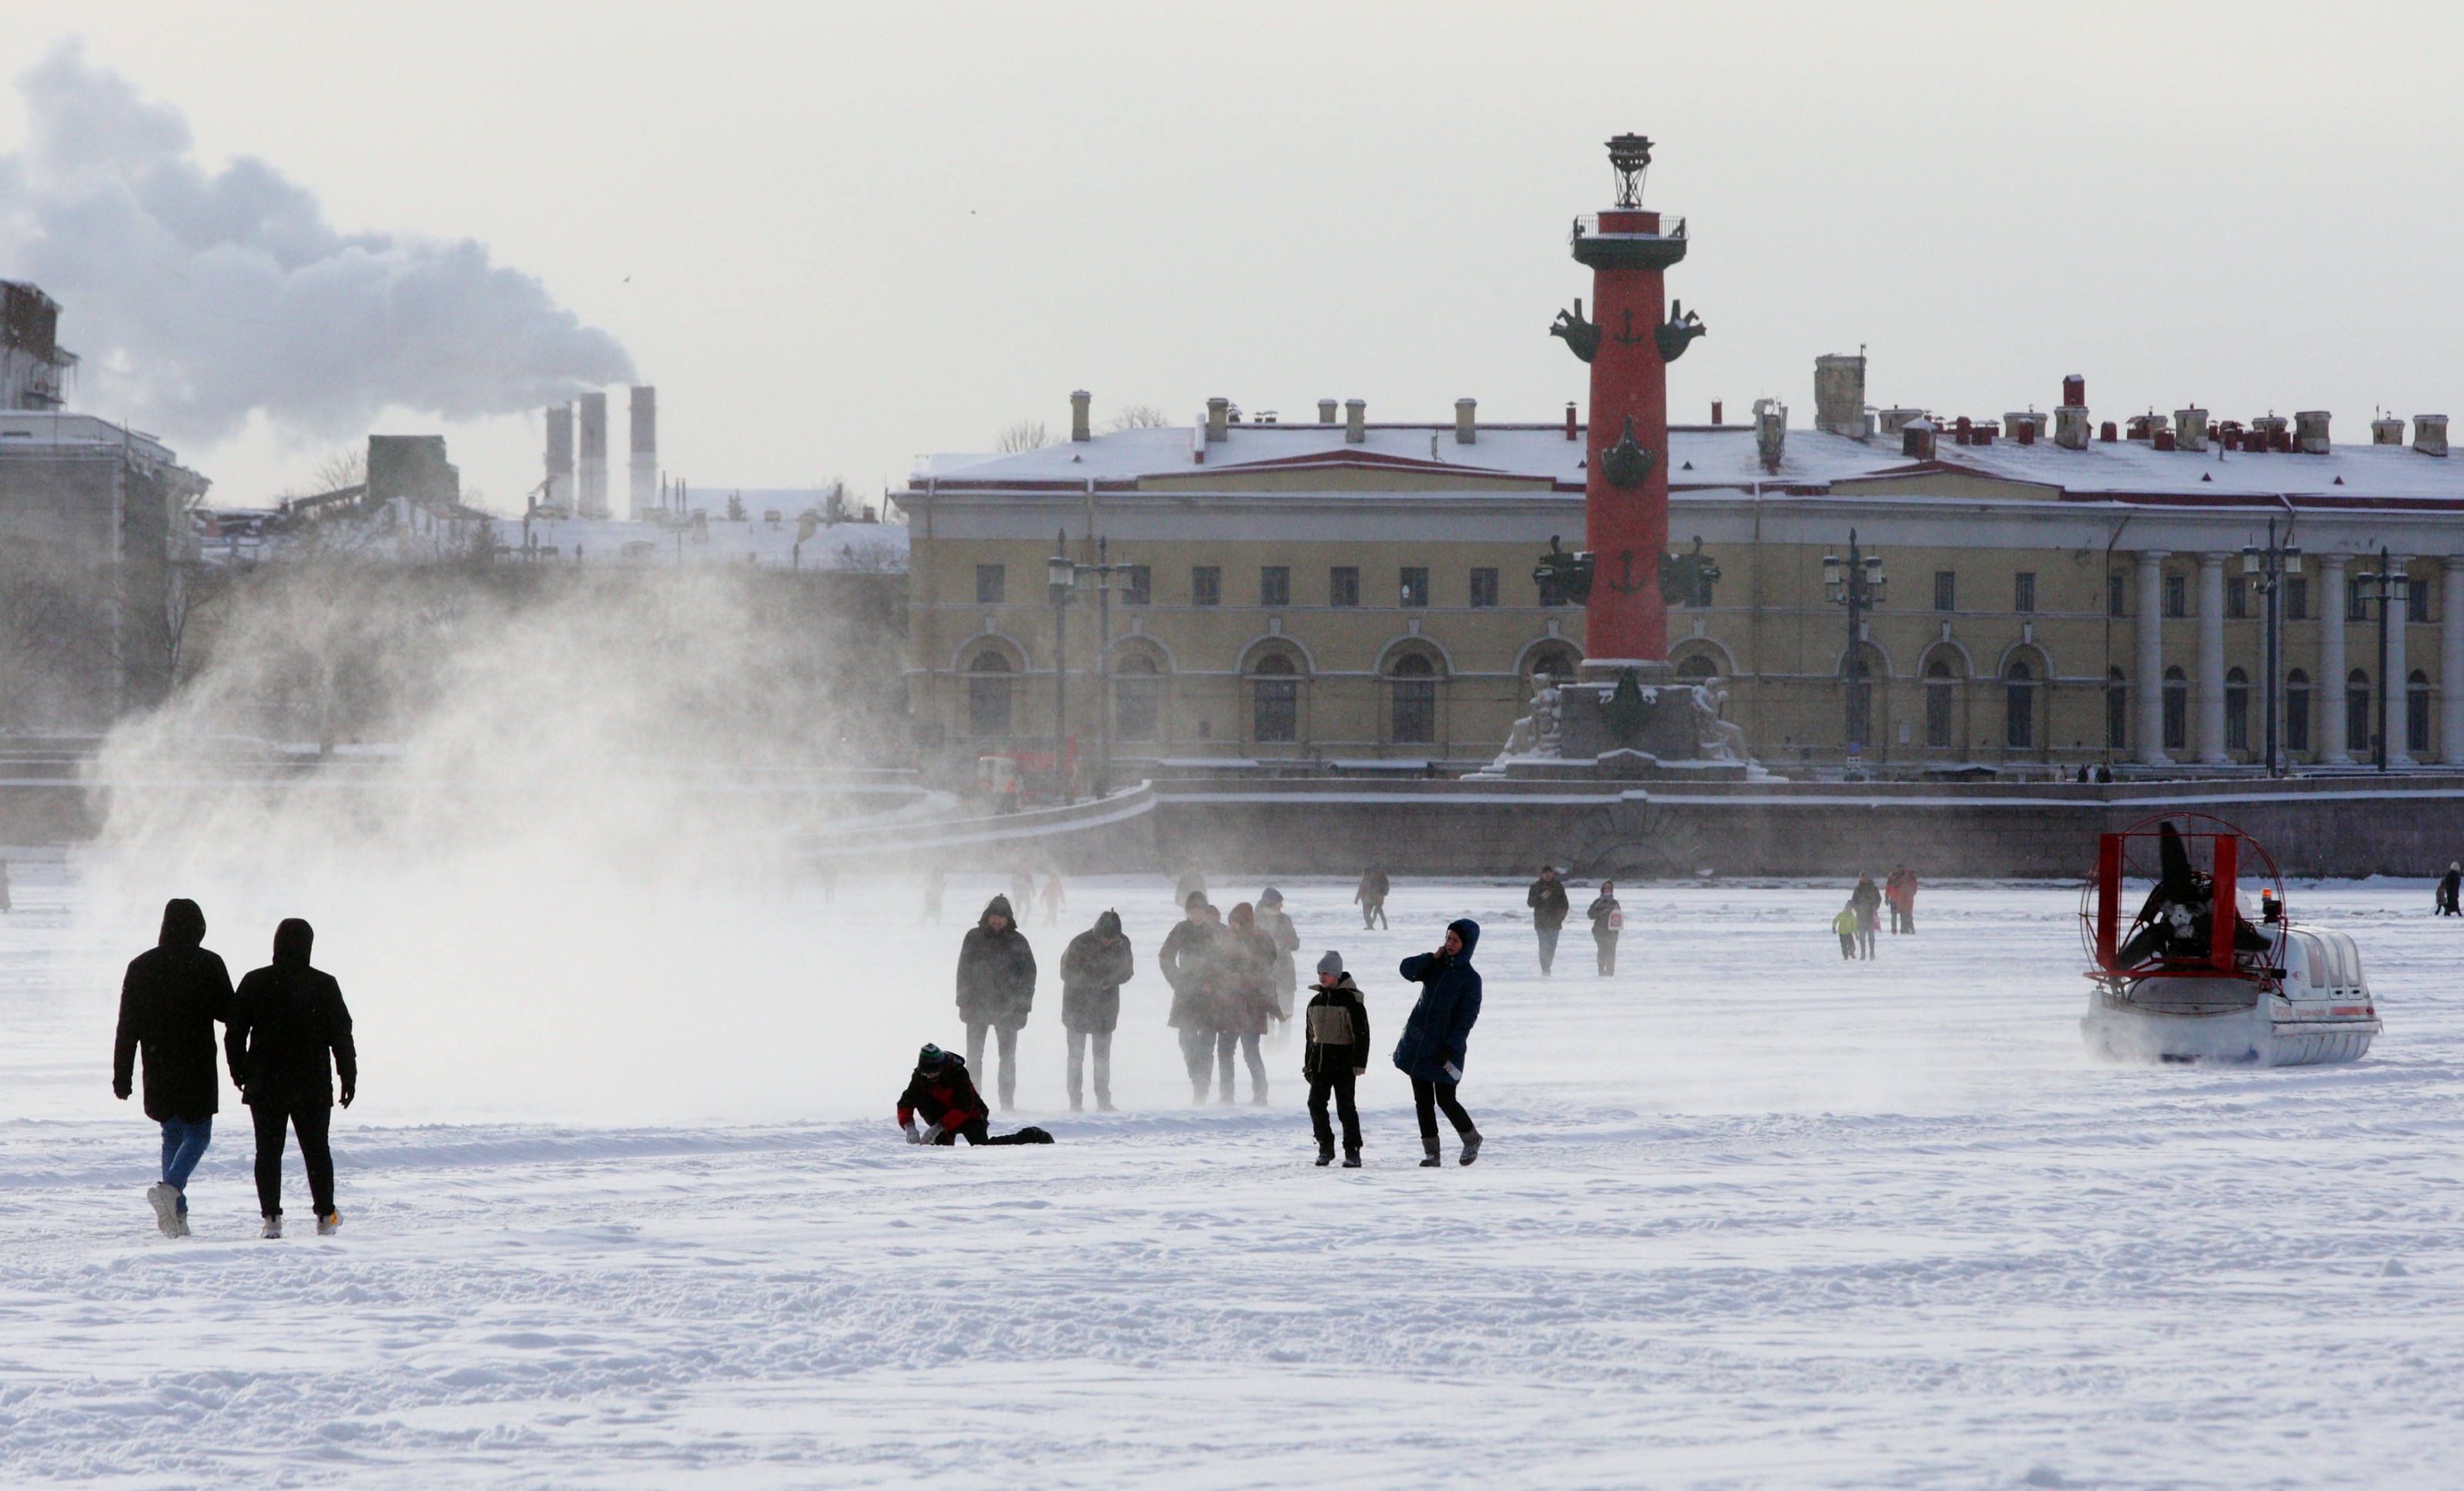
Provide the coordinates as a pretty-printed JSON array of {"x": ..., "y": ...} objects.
[
  {"x": 1098, "y": 962},
  {"x": 995, "y": 990},
  {"x": 1276, "y": 924}
]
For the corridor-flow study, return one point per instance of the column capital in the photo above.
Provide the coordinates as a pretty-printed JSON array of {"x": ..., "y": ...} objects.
[
  {"x": 2153, "y": 556},
  {"x": 2213, "y": 561},
  {"x": 2331, "y": 561}
]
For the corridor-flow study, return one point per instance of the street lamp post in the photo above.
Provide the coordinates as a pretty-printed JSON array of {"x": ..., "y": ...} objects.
[
  {"x": 2390, "y": 590},
  {"x": 1061, "y": 578},
  {"x": 1064, "y": 577},
  {"x": 1858, "y": 584},
  {"x": 2269, "y": 566}
]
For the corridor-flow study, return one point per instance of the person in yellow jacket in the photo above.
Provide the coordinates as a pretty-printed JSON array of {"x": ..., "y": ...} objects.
[{"x": 1845, "y": 924}]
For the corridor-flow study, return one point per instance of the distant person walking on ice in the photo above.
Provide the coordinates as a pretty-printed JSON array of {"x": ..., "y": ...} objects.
[
  {"x": 941, "y": 1103},
  {"x": 1335, "y": 1057},
  {"x": 1845, "y": 924},
  {"x": 1607, "y": 920},
  {"x": 1098, "y": 962},
  {"x": 289, "y": 1038},
  {"x": 1899, "y": 894},
  {"x": 1191, "y": 966},
  {"x": 1867, "y": 899},
  {"x": 1285, "y": 982},
  {"x": 1372, "y": 896},
  {"x": 2448, "y": 886},
  {"x": 1550, "y": 909},
  {"x": 995, "y": 990},
  {"x": 1436, "y": 1033},
  {"x": 1054, "y": 899},
  {"x": 168, "y": 1003},
  {"x": 1249, "y": 998}
]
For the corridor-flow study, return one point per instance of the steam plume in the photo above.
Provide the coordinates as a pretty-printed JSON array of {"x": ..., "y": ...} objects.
[{"x": 197, "y": 297}]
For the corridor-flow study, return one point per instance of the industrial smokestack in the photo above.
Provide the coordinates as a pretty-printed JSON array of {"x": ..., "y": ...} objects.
[
  {"x": 591, "y": 500},
  {"x": 645, "y": 453},
  {"x": 560, "y": 456}
]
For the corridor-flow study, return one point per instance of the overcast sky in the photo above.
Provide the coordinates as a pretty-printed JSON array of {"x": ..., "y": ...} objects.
[{"x": 837, "y": 236}]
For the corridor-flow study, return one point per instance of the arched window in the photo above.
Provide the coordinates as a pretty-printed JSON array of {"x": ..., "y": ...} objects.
[
  {"x": 2177, "y": 709},
  {"x": 2236, "y": 709},
  {"x": 989, "y": 695},
  {"x": 1939, "y": 686},
  {"x": 2117, "y": 711},
  {"x": 2359, "y": 736},
  {"x": 2019, "y": 707},
  {"x": 1698, "y": 669},
  {"x": 2296, "y": 710},
  {"x": 1552, "y": 664},
  {"x": 2416, "y": 712},
  {"x": 1137, "y": 697},
  {"x": 1416, "y": 700},
  {"x": 1274, "y": 701}
]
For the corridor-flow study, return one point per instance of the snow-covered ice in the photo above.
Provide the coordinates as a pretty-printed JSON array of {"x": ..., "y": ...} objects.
[{"x": 1748, "y": 1216}]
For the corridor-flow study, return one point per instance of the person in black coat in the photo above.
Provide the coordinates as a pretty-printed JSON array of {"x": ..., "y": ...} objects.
[
  {"x": 1098, "y": 962},
  {"x": 995, "y": 990},
  {"x": 2448, "y": 886},
  {"x": 1192, "y": 965},
  {"x": 289, "y": 1038},
  {"x": 1336, "y": 1055},
  {"x": 1550, "y": 909},
  {"x": 168, "y": 1003},
  {"x": 1438, "y": 1032},
  {"x": 941, "y": 1103},
  {"x": 1608, "y": 920}
]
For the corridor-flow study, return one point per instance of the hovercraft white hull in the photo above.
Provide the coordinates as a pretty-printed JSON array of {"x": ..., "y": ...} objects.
[{"x": 2266, "y": 1031}]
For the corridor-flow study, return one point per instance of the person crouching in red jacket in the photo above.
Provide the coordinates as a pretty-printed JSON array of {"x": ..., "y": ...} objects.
[{"x": 941, "y": 1102}]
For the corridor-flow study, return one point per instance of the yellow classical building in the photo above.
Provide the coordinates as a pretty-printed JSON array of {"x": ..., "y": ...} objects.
[{"x": 1362, "y": 596}]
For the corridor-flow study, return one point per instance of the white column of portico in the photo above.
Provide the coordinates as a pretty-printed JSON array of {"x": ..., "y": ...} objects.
[
  {"x": 2211, "y": 659},
  {"x": 2331, "y": 659},
  {"x": 2451, "y": 666},
  {"x": 2399, "y": 693},
  {"x": 2151, "y": 656}
]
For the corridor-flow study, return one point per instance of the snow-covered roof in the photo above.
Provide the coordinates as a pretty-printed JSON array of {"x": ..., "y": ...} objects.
[{"x": 1721, "y": 457}]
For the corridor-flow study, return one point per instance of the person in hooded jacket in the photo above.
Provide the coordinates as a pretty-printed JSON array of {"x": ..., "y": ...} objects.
[
  {"x": 1245, "y": 1000},
  {"x": 1371, "y": 896},
  {"x": 168, "y": 1003},
  {"x": 2449, "y": 884},
  {"x": 1094, "y": 967},
  {"x": 1194, "y": 967},
  {"x": 1608, "y": 922},
  {"x": 941, "y": 1105},
  {"x": 995, "y": 990},
  {"x": 289, "y": 1038},
  {"x": 1335, "y": 1056},
  {"x": 1549, "y": 908},
  {"x": 1438, "y": 1032},
  {"x": 1285, "y": 982}
]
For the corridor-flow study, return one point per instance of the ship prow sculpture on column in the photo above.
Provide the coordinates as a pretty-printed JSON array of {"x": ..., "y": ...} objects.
[{"x": 1626, "y": 715}]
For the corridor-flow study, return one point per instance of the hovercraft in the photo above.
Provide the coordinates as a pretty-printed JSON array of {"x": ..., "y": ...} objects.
[{"x": 2200, "y": 975}]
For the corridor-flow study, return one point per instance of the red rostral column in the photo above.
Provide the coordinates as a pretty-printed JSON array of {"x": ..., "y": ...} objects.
[{"x": 1625, "y": 491}]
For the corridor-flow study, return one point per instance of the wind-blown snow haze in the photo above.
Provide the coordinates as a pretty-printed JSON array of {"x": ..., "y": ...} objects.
[{"x": 199, "y": 297}]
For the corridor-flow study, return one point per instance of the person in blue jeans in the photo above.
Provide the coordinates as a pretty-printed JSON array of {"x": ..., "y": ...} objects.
[
  {"x": 170, "y": 1001},
  {"x": 1436, "y": 1033}
]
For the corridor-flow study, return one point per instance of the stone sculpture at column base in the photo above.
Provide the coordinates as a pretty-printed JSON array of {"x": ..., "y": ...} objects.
[{"x": 1626, "y": 731}]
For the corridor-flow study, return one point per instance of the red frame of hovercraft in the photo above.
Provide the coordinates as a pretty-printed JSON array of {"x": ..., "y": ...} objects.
[{"x": 2224, "y": 855}]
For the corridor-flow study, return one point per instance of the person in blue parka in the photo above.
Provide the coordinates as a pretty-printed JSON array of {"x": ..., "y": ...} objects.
[{"x": 1431, "y": 1051}]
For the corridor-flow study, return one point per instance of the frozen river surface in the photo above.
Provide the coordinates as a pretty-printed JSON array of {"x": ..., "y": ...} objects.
[{"x": 1748, "y": 1216}]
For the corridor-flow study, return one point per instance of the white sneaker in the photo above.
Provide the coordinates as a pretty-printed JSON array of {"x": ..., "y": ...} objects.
[
  {"x": 165, "y": 1202},
  {"x": 183, "y": 1224},
  {"x": 272, "y": 1226},
  {"x": 329, "y": 1224}
]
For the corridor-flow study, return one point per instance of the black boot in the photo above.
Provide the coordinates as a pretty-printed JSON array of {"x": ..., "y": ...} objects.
[
  {"x": 1432, "y": 1162},
  {"x": 1351, "y": 1159},
  {"x": 1326, "y": 1152},
  {"x": 1470, "y": 1147}
]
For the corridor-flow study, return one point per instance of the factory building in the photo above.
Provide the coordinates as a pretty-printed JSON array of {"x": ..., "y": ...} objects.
[{"x": 2059, "y": 590}]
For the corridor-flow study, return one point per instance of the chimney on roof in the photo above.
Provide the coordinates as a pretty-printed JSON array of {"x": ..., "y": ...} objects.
[
  {"x": 2190, "y": 429},
  {"x": 1916, "y": 439},
  {"x": 2270, "y": 434},
  {"x": 1355, "y": 421},
  {"x": 2025, "y": 426},
  {"x": 2070, "y": 420},
  {"x": 1078, "y": 403},
  {"x": 1770, "y": 430},
  {"x": 2108, "y": 433},
  {"x": 1218, "y": 417},
  {"x": 2386, "y": 429},
  {"x": 1573, "y": 426},
  {"x": 1839, "y": 395},
  {"x": 2310, "y": 432},
  {"x": 1892, "y": 421},
  {"x": 2430, "y": 433},
  {"x": 1326, "y": 412},
  {"x": 1715, "y": 412},
  {"x": 1467, "y": 429}
]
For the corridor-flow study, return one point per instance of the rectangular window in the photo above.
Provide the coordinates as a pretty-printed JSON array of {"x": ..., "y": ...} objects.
[
  {"x": 2296, "y": 598},
  {"x": 1137, "y": 585},
  {"x": 1416, "y": 711},
  {"x": 2416, "y": 718},
  {"x": 1938, "y": 705},
  {"x": 1275, "y": 713},
  {"x": 1343, "y": 585},
  {"x": 1206, "y": 585},
  {"x": 2236, "y": 597},
  {"x": 2023, "y": 591},
  {"x": 2177, "y": 596},
  {"x": 2236, "y": 716},
  {"x": 2357, "y": 604},
  {"x": 1945, "y": 589},
  {"x": 2117, "y": 594},
  {"x": 990, "y": 580},
  {"x": 2360, "y": 732},
  {"x": 2416, "y": 605},
  {"x": 1483, "y": 587},
  {"x": 2297, "y": 716},
  {"x": 1413, "y": 588},
  {"x": 2117, "y": 717},
  {"x": 2019, "y": 715},
  {"x": 2177, "y": 715},
  {"x": 1275, "y": 586}
]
